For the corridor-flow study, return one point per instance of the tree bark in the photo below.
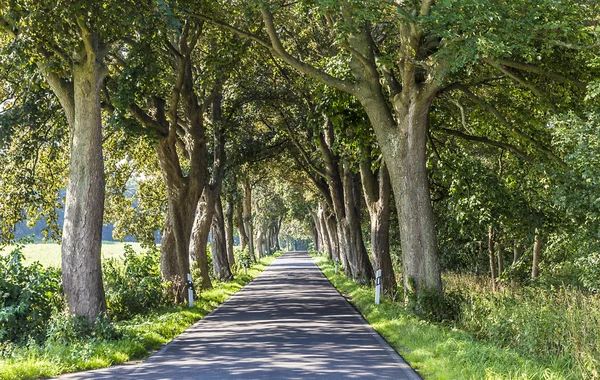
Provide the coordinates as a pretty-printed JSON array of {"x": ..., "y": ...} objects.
[
  {"x": 248, "y": 222},
  {"x": 239, "y": 220},
  {"x": 537, "y": 254},
  {"x": 377, "y": 193},
  {"x": 324, "y": 231},
  {"x": 492, "y": 256},
  {"x": 205, "y": 211},
  {"x": 331, "y": 227},
  {"x": 259, "y": 242},
  {"x": 229, "y": 232},
  {"x": 84, "y": 206},
  {"x": 218, "y": 246},
  {"x": 500, "y": 258},
  {"x": 358, "y": 258},
  {"x": 199, "y": 237}
]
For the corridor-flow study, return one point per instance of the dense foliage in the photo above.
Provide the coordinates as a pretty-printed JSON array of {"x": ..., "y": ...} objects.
[
  {"x": 30, "y": 295},
  {"x": 133, "y": 285}
]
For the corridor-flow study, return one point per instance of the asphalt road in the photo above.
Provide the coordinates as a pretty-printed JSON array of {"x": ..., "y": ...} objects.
[{"x": 289, "y": 323}]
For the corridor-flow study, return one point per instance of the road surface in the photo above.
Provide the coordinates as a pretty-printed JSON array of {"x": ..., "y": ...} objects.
[{"x": 289, "y": 323}]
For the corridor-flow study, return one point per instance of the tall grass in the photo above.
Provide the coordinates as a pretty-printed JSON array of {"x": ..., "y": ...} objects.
[
  {"x": 536, "y": 335},
  {"x": 553, "y": 324}
]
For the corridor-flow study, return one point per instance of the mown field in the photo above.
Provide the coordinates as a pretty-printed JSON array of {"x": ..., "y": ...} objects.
[{"x": 48, "y": 254}]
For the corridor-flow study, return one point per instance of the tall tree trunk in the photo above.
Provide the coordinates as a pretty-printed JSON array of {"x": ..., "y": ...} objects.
[
  {"x": 332, "y": 232},
  {"x": 259, "y": 242},
  {"x": 316, "y": 232},
  {"x": 377, "y": 193},
  {"x": 239, "y": 220},
  {"x": 327, "y": 246},
  {"x": 229, "y": 231},
  {"x": 205, "y": 210},
  {"x": 269, "y": 240},
  {"x": 248, "y": 222},
  {"x": 358, "y": 258},
  {"x": 84, "y": 206},
  {"x": 492, "y": 255},
  {"x": 277, "y": 230},
  {"x": 218, "y": 246},
  {"x": 517, "y": 252},
  {"x": 199, "y": 237},
  {"x": 537, "y": 254}
]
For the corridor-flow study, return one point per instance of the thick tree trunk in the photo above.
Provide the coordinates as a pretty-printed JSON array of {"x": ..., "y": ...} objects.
[
  {"x": 537, "y": 254},
  {"x": 239, "y": 220},
  {"x": 248, "y": 222},
  {"x": 174, "y": 260},
  {"x": 500, "y": 258},
  {"x": 218, "y": 246},
  {"x": 229, "y": 232},
  {"x": 358, "y": 258},
  {"x": 408, "y": 175},
  {"x": 84, "y": 206},
  {"x": 492, "y": 256},
  {"x": 199, "y": 237},
  {"x": 259, "y": 243},
  {"x": 332, "y": 232},
  {"x": 377, "y": 193},
  {"x": 327, "y": 245}
]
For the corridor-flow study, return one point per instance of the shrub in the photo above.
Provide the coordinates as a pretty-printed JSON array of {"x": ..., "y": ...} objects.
[
  {"x": 65, "y": 328},
  {"x": 29, "y": 295},
  {"x": 242, "y": 257},
  {"x": 134, "y": 286}
]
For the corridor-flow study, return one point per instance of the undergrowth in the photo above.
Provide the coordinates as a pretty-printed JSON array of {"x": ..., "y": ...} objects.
[{"x": 448, "y": 351}]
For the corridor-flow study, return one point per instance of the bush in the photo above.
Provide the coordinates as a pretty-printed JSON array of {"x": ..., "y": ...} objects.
[
  {"x": 29, "y": 295},
  {"x": 430, "y": 305},
  {"x": 134, "y": 286},
  {"x": 242, "y": 257},
  {"x": 65, "y": 329}
]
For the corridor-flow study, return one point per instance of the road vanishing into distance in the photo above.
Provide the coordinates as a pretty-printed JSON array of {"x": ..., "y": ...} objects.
[{"x": 289, "y": 323}]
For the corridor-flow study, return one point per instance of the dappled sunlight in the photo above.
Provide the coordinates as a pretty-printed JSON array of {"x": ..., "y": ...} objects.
[{"x": 288, "y": 323}]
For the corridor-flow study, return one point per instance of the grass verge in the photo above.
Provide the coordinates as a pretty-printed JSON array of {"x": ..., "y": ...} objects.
[
  {"x": 437, "y": 351},
  {"x": 138, "y": 336}
]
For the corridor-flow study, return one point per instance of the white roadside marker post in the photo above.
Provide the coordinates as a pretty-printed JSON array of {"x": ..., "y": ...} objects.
[
  {"x": 378, "y": 287},
  {"x": 336, "y": 265},
  {"x": 190, "y": 285}
]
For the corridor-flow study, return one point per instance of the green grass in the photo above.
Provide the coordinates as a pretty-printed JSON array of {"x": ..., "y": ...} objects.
[
  {"x": 49, "y": 254},
  {"x": 140, "y": 336},
  {"x": 441, "y": 352}
]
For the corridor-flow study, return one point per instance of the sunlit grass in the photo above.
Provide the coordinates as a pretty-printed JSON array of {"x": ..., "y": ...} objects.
[
  {"x": 442, "y": 352},
  {"x": 48, "y": 254},
  {"x": 140, "y": 336}
]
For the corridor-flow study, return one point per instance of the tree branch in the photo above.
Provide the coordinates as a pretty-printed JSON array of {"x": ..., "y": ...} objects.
[
  {"x": 541, "y": 71},
  {"x": 519, "y": 79},
  {"x": 425, "y": 7},
  {"x": 278, "y": 49},
  {"x": 494, "y": 111},
  {"x": 487, "y": 141}
]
